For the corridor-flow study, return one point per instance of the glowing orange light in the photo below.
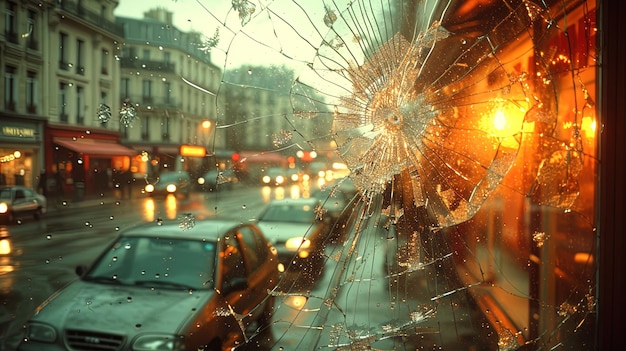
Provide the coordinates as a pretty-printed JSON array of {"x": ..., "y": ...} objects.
[{"x": 192, "y": 150}]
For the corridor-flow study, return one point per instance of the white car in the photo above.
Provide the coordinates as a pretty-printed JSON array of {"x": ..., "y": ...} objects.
[
  {"x": 158, "y": 287},
  {"x": 17, "y": 200}
]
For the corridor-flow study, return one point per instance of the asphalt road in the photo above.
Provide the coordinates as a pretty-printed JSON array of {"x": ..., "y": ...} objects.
[{"x": 353, "y": 296}]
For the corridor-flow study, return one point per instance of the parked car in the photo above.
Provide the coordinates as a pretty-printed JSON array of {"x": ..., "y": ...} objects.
[
  {"x": 17, "y": 201},
  {"x": 297, "y": 232},
  {"x": 177, "y": 182},
  {"x": 338, "y": 207},
  {"x": 160, "y": 287},
  {"x": 215, "y": 180}
]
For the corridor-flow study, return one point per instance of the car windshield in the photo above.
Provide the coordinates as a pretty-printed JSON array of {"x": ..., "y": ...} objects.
[
  {"x": 157, "y": 262},
  {"x": 5, "y": 194},
  {"x": 289, "y": 213}
]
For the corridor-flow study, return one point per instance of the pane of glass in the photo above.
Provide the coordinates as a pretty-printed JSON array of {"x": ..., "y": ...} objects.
[{"x": 425, "y": 171}]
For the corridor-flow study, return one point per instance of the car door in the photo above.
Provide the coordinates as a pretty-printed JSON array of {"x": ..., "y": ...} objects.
[
  {"x": 234, "y": 273},
  {"x": 21, "y": 201},
  {"x": 259, "y": 273}
]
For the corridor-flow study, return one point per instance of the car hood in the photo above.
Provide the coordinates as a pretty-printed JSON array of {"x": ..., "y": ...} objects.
[
  {"x": 281, "y": 231},
  {"x": 121, "y": 309}
]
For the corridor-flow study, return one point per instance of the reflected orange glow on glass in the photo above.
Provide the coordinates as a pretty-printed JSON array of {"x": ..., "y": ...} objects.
[
  {"x": 148, "y": 210},
  {"x": 294, "y": 192},
  {"x": 266, "y": 193},
  {"x": 296, "y": 302},
  {"x": 589, "y": 127},
  {"x": 5, "y": 246},
  {"x": 170, "y": 206},
  {"x": 279, "y": 193},
  {"x": 6, "y": 265}
]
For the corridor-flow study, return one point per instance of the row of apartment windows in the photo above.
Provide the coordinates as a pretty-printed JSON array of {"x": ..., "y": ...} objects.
[
  {"x": 11, "y": 90},
  {"x": 79, "y": 65},
  {"x": 11, "y": 30},
  {"x": 194, "y": 103}
]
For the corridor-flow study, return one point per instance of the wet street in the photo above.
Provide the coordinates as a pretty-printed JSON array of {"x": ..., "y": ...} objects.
[{"x": 352, "y": 294}]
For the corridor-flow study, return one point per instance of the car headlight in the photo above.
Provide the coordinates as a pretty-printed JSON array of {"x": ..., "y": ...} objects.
[
  {"x": 200, "y": 181},
  {"x": 266, "y": 179},
  {"x": 157, "y": 342},
  {"x": 171, "y": 188},
  {"x": 295, "y": 244},
  {"x": 41, "y": 332},
  {"x": 4, "y": 208},
  {"x": 280, "y": 179},
  {"x": 149, "y": 188}
]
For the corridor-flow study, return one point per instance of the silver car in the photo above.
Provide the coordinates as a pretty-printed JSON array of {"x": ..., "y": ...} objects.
[
  {"x": 17, "y": 200},
  {"x": 160, "y": 287},
  {"x": 298, "y": 233}
]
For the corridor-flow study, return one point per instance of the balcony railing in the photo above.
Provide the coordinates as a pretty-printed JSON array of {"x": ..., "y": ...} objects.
[
  {"x": 169, "y": 67},
  {"x": 92, "y": 17},
  {"x": 156, "y": 102}
]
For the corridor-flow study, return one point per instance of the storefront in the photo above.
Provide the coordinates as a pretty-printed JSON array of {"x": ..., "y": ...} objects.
[
  {"x": 21, "y": 158},
  {"x": 81, "y": 161}
]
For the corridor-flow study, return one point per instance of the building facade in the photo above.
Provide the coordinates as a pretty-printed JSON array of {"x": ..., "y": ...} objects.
[
  {"x": 59, "y": 69},
  {"x": 172, "y": 84}
]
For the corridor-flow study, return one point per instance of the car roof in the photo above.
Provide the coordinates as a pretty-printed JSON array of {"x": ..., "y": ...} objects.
[{"x": 202, "y": 230}]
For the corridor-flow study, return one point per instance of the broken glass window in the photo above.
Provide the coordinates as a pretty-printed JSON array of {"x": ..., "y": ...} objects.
[{"x": 468, "y": 129}]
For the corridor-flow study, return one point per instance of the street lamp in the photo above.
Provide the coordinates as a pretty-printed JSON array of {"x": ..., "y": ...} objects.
[{"x": 206, "y": 124}]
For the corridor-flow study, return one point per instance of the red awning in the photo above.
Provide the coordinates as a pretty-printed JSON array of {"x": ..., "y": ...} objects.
[{"x": 95, "y": 147}]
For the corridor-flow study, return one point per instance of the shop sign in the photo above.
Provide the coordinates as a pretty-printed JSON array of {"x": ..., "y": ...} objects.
[{"x": 18, "y": 131}]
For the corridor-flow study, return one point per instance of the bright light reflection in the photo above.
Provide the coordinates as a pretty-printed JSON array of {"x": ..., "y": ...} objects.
[
  {"x": 170, "y": 206},
  {"x": 5, "y": 247},
  {"x": 279, "y": 193},
  {"x": 296, "y": 302},
  {"x": 294, "y": 191},
  {"x": 266, "y": 193},
  {"x": 148, "y": 210}
]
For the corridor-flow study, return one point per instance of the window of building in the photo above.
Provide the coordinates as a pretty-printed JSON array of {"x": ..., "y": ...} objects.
[
  {"x": 10, "y": 26},
  {"x": 104, "y": 101},
  {"x": 80, "y": 59},
  {"x": 146, "y": 89},
  {"x": 167, "y": 90},
  {"x": 104, "y": 61},
  {"x": 31, "y": 95},
  {"x": 145, "y": 128},
  {"x": 63, "y": 99},
  {"x": 63, "y": 52},
  {"x": 165, "y": 128},
  {"x": 10, "y": 88},
  {"x": 125, "y": 88},
  {"x": 80, "y": 105},
  {"x": 31, "y": 30}
]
